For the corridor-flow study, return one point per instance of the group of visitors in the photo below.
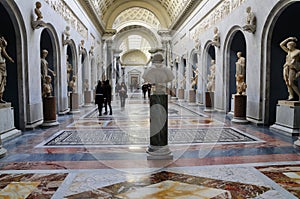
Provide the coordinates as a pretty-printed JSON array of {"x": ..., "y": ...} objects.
[
  {"x": 146, "y": 88},
  {"x": 103, "y": 97}
]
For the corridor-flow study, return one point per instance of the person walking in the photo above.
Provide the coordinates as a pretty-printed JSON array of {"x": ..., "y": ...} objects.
[
  {"x": 123, "y": 94},
  {"x": 107, "y": 97},
  {"x": 145, "y": 89},
  {"x": 99, "y": 97}
]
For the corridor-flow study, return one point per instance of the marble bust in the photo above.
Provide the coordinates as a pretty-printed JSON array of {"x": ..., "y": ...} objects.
[
  {"x": 250, "y": 21},
  {"x": 291, "y": 67},
  {"x": 158, "y": 73},
  {"x": 73, "y": 84},
  {"x": 67, "y": 34},
  {"x": 47, "y": 87}
]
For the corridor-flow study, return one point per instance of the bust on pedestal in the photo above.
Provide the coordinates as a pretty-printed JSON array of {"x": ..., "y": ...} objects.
[
  {"x": 160, "y": 75},
  {"x": 49, "y": 104}
]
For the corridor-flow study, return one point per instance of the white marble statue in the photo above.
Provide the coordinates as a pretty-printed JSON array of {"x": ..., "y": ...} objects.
[
  {"x": 47, "y": 87},
  {"x": 73, "y": 85},
  {"x": 44, "y": 66},
  {"x": 3, "y": 72},
  {"x": 240, "y": 74},
  {"x": 250, "y": 21},
  {"x": 291, "y": 67},
  {"x": 211, "y": 77},
  {"x": 195, "y": 78},
  {"x": 158, "y": 73},
  {"x": 69, "y": 69},
  {"x": 67, "y": 35}
]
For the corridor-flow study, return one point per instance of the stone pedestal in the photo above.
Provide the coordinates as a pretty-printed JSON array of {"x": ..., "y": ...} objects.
[
  {"x": 7, "y": 126},
  {"x": 181, "y": 93},
  {"x": 287, "y": 117},
  {"x": 240, "y": 108},
  {"x": 74, "y": 103},
  {"x": 87, "y": 98},
  {"x": 49, "y": 111},
  {"x": 209, "y": 101},
  {"x": 192, "y": 96},
  {"x": 158, "y": 148}
]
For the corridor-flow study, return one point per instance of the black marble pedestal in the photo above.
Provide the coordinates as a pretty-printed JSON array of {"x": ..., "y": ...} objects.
[{"x": 158, "y": 148}]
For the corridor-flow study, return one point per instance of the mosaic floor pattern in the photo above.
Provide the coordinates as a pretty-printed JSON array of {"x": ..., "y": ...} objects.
[
  {"x": 141, "y": 137},
  {"x": 173, "y": 185}
]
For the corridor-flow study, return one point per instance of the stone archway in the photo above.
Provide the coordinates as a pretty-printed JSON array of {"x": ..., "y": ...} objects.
[
  {"x": 279, "y": 28},
  {"x": 237, "y": 43},
  {"x": 12, "y": 29}
]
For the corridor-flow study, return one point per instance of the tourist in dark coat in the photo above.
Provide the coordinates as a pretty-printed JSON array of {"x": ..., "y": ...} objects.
[
  {"x": 107, "y": 97},
  {"x": 99, "y": 97}
]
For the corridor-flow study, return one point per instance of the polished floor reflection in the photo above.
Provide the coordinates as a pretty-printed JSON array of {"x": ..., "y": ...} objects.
[{"x": 87, "y": 156}]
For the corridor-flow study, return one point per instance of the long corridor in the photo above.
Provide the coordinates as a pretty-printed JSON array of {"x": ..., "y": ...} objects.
[{"x": 88, "y": 156}]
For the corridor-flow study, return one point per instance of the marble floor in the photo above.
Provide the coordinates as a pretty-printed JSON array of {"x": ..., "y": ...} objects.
[{"x": 88, "y": 156}]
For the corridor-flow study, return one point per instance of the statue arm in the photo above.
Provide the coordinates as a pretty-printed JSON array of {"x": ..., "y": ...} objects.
[
  {"x": 284, "y": 42},
  {"x": 7, "y": 56}
]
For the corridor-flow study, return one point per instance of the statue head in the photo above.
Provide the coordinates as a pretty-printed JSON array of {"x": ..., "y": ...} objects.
[
  {"x": 38, "y": 4},
  {"x": 239, "y": 54},
  {"x": 248, "y": 9},
  {"x": 291, "y": 45}
]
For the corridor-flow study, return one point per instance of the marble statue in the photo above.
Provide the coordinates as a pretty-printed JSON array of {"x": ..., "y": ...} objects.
[
  {"x": 67, "y": 35},
  {"x": 240, "y": 85},
  {"x": 73, "y": 85},
  {"x": 211, "y": 77},
  {"x": 86, "y": 85},
  {"x": 291, "y": 67},
  {"x": 183, "y": 81},
  {"x": 216, "y": 38},
  {"x": 69, "y": 69},
  {"x": 38, "y": 23},
  {"x": 47, "y": 87},
  {"x": 81, "y": 47},
  {"x": 37, "y": 11},
  {"x": 250, "y": 21},
  {"x": 240, "y": 74},
  {"x": 158, "y": 73},
  {"x": 3, "y": 72},
  {"x": 91, "y": 51},
  {"x": 44, "y": 66},
  {"x": 195, "y": 78},
  {"x": 197, "y": 44}
]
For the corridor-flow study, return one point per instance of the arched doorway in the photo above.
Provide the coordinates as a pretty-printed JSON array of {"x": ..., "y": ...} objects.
[
  {"x": 11, "y": 31},
  {"x": 281, "y": 25},
  {"x": 47, "y": 43},
  {"x": 237, "y": 44}
]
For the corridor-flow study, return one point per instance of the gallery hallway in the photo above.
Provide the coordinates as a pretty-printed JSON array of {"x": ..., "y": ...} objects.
[{"x": 87, "y": 156}]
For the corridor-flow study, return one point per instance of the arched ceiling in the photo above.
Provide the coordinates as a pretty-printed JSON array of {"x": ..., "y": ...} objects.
[{"x": 122, "y": 15}]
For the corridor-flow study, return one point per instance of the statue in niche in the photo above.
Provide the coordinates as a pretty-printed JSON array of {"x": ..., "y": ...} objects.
[
  {"x": 38, "y": 23},
  {"x": 47, "y": 87},
  {"x": 67, "y": 35},
  {"x": 240, "y": 71},
  {"x": 240, "y": 85},
  {"x": 291, "y": 67},
  {"x": 182, "y": 82},
  {"x": 86, "y": 85},
  {"x": 158, "y": 73},
  {"x": 250, "y": 21},
  {"x": 44, "y": 66},
  {"x": 195, "y": 78},
  {"x": 81, "y": 47},
  {"x": 211, "y": 77},
  {"x": 73, "y": 85},
  {"x": 91, "y": 51},
  {"x": 3, "y": 72},
  {"x": 69, "y": 69},
  {"x": 216, "y": 38}
]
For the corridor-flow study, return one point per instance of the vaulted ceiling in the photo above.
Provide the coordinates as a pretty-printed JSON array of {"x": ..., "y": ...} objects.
[{"x": 131, "y": 15}]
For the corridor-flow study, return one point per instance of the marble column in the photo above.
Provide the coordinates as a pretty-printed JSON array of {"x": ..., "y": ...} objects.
[{"x": 158, "y": 148}]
